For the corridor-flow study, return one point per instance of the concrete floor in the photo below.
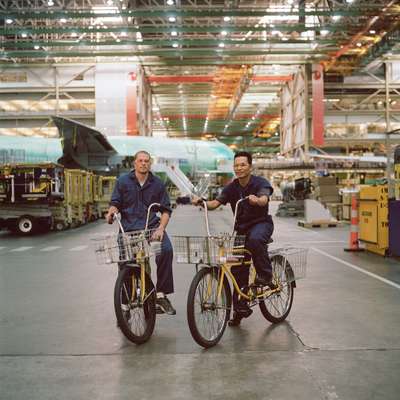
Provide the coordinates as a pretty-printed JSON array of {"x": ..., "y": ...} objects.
[{"x": 58, "y": 338}]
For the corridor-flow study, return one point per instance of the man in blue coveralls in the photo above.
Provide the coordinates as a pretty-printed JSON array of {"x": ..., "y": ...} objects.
[
  {"x": 253, "y": 221},
  {"x": 132, "y": 195}
]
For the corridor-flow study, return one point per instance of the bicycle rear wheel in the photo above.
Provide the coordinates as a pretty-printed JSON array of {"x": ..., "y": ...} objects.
[
  {"x": 207, "y": 312},
  {"x": 276, "y": 307},
  {"x": 136, "y": 315}
]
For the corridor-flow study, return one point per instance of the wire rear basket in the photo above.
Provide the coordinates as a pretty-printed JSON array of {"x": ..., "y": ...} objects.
[
  {"x": 123, "y": 247},
  {"x": 295, "y": 258},
  {"x": 208, "y": 249}
]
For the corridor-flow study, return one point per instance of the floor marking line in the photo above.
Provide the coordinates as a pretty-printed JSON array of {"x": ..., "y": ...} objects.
[
  {"x": 23, "y": 248},
  {"x": 78, "y": 248},
  {"x": 372, "y": 275},
  {"x": 50, "y": 248}
]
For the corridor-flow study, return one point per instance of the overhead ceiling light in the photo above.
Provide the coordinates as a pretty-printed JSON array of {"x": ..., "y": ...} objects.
[
  {"x": 117, "y": 40},
  {"x": 324, "y": 32},
  {"x": 24, "y": 35},
  {"x": 290, "y": 2},
  {"x": 221, "y": 44},
  {"x": 372, "y": 32},
  {"x": 124, "y": 34},
  {"x": 9, "y": 21},
  {"x": 110, "y": 2},
  {"x": 74, "y": 34},
  {"x": 224, "y": 33},
  {"x": 63, "y": 20},
  {"x": 227, "y": 19},
  {"x": 175, "y": 44},
  {"x": 336, "y": 17},
  {"x": 174, "y": 33},
  {"x": 171, "y": 19},
  {"x": 359, "y": 44},
  {"x": 36, "y": 47},
  {"x": 50, "y": 3},
  {"x": 170, "y": 2},
  {"x": 349, "y": 1}
]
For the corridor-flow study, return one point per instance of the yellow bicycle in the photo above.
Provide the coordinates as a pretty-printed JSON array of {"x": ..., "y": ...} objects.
[
  {"x": 209, "y": 299},
  {"x": 134, "y": 292}
]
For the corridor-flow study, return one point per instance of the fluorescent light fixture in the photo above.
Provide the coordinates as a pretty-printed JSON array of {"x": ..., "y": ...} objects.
[
  {"x": 124, "y": 34},
  {"x": 36, "y": 47},
  {"x": 224, "y": 33},
  {"x": 24, "y": 35},
  {"x": 170, "y": 2},
  {"x": 359, "y": 44},
  {"x": 227, "y": 19},
  {"x": 324, "y": 32},
  {"x": 290, "y": 2},
  {"x": 63, "y": 20},
  {"x": 74, "y": 34},
  {"x": 175, "y": 44},
  {"x": 221, "y": 44},
  {"x": 174, "y": 33},
  {"x": 171, "y": 19},
  {"x": 372, "y": 32},
  {"x": 110, "y": 2},
  {"x": 9, "y": 21},
  {"x": 336, "y": 17},
  {"x": 107, "y": 10},
  {"x": 50, "y": 3}
]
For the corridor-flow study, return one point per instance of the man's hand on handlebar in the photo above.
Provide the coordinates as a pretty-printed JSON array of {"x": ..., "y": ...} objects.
[
  {"x": 196, "y": 200},
  {"x": 253, "y": 200},
  {"x": 158, "y": 234},
  {"x": 110, "y": 215}
]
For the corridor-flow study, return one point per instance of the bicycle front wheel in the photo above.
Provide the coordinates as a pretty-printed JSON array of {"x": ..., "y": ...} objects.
[
  {"x": 276, "y": 307},
  {"x": 208, "y": 312},
  {"x": 136, "y": 313}
]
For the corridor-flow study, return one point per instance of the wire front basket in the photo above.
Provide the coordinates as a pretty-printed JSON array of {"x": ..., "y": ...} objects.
[
  {"x": 294, "y": 261},
  {"x": 208, "y": 249},
  {"x": 123, "y": 247}
]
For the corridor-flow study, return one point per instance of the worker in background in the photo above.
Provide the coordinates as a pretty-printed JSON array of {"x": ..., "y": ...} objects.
[
  {"x": 132, "y": 195},
  {"x": 253, "y": 221}
]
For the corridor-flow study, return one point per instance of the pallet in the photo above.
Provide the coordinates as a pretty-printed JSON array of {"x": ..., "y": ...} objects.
[{"x": 318, "y": 224}]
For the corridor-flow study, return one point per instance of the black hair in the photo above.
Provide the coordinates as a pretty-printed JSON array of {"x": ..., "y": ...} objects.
[{"x": 244, "y": 154}]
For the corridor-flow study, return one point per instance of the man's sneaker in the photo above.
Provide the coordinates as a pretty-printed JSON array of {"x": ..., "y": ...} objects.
[
  {"x": 263, "y": 281},
  {"x": 165, "y": 306}
]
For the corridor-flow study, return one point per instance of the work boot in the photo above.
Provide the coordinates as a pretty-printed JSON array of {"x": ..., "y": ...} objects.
[{"x": 243, "y": 311}]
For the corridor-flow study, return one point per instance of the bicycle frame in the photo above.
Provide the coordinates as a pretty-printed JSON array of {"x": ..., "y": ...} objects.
[
  {"x": 142, "y": 260},
  {"x": 225, "y": 267}
]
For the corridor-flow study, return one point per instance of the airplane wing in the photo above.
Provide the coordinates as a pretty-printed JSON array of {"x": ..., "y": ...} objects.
[{"x": 83, "y": 146}]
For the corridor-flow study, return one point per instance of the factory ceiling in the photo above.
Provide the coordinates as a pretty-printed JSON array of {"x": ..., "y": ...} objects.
[{"x": 215, "y": 66}]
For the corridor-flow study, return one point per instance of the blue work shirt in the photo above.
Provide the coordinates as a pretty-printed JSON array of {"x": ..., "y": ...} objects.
[
  {"x": 247, "y": 215},
  {"x": 133, "y": 200}
]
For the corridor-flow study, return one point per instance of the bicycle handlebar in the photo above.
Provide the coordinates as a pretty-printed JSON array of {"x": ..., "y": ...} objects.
[
  {"x": 118, "y": 218},
  {"x": 234, "y": 216}
]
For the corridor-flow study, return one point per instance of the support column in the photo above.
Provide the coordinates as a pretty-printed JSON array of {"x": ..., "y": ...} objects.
[{"x": 131, "y": 105}]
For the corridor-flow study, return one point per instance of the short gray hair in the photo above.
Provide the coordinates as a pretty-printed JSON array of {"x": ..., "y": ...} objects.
[{"x": 140, "y": 152}]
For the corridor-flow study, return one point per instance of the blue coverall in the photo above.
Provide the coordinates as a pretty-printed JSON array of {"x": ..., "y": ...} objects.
[
  {"x": 255, "y": 223},
  {"x": 132, "y": 201}
]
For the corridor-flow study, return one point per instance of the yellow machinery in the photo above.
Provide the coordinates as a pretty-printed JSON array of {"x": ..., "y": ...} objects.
[
  {"x": 34, "y": 196},
  {"x": 102, "y": 189},
  {"x": 373, "y": 218}
]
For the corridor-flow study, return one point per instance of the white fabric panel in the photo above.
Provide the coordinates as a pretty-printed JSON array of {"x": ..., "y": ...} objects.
[{"x": 111, "y": 82}]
